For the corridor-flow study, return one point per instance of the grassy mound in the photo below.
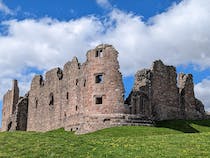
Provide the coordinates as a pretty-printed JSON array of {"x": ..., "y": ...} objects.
[{"x": 168, "y": 139}]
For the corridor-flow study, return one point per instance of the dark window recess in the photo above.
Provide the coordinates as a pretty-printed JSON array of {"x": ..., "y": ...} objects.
[
  {"x": 99, "y": 53},
  {"x": 84, "y": 83},
  {"x": 51, "y": 97},
  {"x": 41, "y": 81},
  {"x": 36, "y": 103},
  {"x": 99, "y": 78},
  {"x": 76, "y": 108},
  {"x": 9, "y": 126},
  {"x": 99, "y": 100},
  {"x": 67, "y": 95},
  {"x": 60, "y": 74},
  {"x": 105, "y": 120},
  {"x": 77, "y": 81}
]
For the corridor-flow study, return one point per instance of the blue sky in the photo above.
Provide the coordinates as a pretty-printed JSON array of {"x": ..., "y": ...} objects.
[{"x": 36, "y": 36}]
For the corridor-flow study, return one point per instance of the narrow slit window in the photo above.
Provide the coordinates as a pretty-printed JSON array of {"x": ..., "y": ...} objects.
[
  {"x": 99, "y": 78},
  {"x": 51, "y": 97},
  {"x": 67, "y": 95},
  {"x": 99, "y": 100},
  {"x": 36, "y": 103},
  {"x": 77, "y": 81}
]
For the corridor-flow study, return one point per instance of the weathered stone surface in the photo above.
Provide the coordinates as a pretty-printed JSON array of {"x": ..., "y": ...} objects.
[
  {"x": 90, "y": 96},
  {"x": 15, "y": 110},
  {"x": 156, "y": 93},
  {"x": 67, "y": 98},
  {"x": 191, "y": 108}
]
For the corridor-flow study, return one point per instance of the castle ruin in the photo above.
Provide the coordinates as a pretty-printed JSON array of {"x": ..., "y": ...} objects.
[{"x": 90, "y": 96}]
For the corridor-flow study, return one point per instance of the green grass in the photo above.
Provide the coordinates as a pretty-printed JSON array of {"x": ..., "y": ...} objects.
[{"x": 168, "y": 139}]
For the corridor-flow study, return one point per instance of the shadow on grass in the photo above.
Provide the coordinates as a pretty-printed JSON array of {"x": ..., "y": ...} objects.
[{"x": 182, "y": 125}]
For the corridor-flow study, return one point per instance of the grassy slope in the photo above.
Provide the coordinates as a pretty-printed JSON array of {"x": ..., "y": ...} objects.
[{"x": 166, "y": 140}]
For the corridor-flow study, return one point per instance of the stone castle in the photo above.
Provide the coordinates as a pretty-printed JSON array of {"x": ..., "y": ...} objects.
[{"x": 90, "y": 96}]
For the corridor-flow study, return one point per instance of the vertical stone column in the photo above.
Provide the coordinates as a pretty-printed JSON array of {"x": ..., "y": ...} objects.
[{"x": 15, "y": 95}]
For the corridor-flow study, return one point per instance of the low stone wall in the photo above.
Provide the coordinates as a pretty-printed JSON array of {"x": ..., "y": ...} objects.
[{"x": 91, "y": 123}]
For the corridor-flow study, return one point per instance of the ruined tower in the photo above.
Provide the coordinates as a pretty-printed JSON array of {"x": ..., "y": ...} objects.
[
  {"x": 14, "y": 110},
  {"x": 158, "y": 95},
  {"x": 78, "y": 96},
  {"x": 90, "y": 96},
  {"x": 9, "y": 101}
]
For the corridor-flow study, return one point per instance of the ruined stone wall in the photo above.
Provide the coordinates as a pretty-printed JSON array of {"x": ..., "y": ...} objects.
[
  {"x": 111, "y": 87},
  {"x": 78, "y": 91},
  {"x": 191, "y": 107},
  {"x": 6, "y": 109},
  {"x": 90, "y": 96},
  {"x": 165, "y": 99},
  {"x": 139, "y": 99},
  {"x": 9, "y": 105},
  {"x": 22, "y": 113}
]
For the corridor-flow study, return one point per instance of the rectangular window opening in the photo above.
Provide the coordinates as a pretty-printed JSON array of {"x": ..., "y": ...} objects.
[
  {"x": 67, "y": 95},
  {"x": 99, "y": 100},
  {"x": 99, "y": 78}
]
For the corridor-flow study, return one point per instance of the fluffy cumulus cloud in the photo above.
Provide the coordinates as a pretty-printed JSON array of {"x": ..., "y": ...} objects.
[
  {"x": 202, "y": 91},
  {"x": 181, "y": 35},
  {"x": 5, "y": 9}
]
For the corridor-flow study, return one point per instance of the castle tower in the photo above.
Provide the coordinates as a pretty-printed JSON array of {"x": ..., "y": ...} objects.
[
  {"x": 9, "y": 103},
  {"x": 105, "y": 89}
]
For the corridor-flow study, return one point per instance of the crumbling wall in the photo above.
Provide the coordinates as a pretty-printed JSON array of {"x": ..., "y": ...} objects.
[
  {"x": 139, "y": 99},
  {"x": 9, "y": 105},
  {"x": 110, "y": 89},
  {"x": 78, "y": 91},
  {"x": 191, "y": 108},
  {"x": 167, "y": 99},
  {"x": 14, "y": 110},
  {"x": 22, "y": 113}
]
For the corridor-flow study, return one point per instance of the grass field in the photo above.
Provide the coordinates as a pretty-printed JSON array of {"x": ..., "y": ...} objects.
[{"x": 168, "y": 139}]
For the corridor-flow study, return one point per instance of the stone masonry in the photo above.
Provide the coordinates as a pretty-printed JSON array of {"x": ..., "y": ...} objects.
[
  {"x": 158, "y": 96},
  {"x": 90, "y": 96},
  {"x": 15, "y": 110}
]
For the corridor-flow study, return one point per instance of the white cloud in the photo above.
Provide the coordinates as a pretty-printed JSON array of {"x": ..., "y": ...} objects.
[
  {"x": 181, "y": 35},
  {"x": 202, "y": 91},
  {"x": 104, "y": 4},
  {"x": 5, "y": 9}
]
